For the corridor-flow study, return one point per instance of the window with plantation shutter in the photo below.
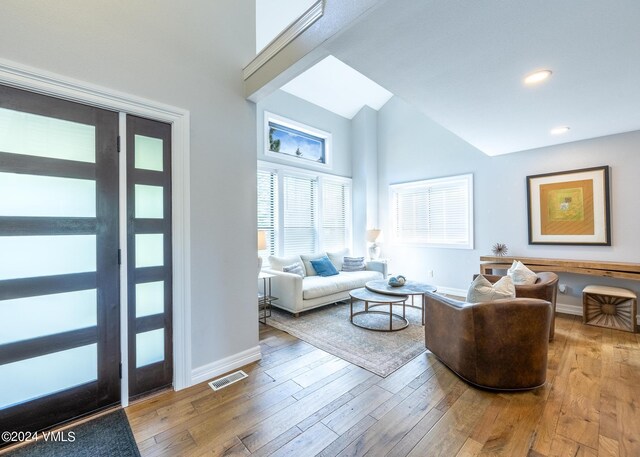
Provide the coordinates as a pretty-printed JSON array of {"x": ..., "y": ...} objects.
[
  {"x": 300, "y": 195},
  {"x": 434, "y": 212},
  {"x": 267, "y": 210},
  {"x": 336, "y": 215}
]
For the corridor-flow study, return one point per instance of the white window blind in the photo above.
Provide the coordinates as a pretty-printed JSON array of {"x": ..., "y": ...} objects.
[
  {"x": 302, "y": 212},
  {"x": 267, "y": 209},
  {"x": 336, "y": 215},
  {"x": 436, "y": 212},
  {"x": 300, "y": 195}
]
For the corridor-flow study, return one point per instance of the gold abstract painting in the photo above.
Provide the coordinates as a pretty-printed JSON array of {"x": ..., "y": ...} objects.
[
  {"x": 570, "y": 207},
  {"x": 567, "y": 208}
]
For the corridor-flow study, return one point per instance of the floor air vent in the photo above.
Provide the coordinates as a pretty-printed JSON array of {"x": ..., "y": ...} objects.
[{"x": 227, "y": 380}]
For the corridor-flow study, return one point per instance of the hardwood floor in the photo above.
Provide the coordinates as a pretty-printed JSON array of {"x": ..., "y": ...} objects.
[{"x": 301, "y": 401}]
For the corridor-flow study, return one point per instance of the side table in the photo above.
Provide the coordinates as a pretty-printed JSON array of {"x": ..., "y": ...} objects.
[
  {"x": 610, "y": 307},
  {"x": 265, "y": 299}
]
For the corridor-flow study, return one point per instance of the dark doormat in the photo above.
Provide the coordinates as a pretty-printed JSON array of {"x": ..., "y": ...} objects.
[{"x": 108, "y": 436}]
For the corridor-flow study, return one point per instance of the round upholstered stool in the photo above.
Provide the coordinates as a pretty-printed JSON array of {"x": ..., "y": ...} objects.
[{"x": 610, "y": 307}]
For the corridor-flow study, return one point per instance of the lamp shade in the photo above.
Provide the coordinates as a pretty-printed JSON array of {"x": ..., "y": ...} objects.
[
  {"x": 373, "y": 234},
  {"x": 262, "y": 240}
]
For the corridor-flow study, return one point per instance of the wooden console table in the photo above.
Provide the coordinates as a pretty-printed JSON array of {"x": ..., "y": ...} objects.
[{"x": 621, "y": 270}]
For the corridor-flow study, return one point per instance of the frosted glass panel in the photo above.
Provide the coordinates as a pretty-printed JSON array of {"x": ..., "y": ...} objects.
[
  {"x": 148, "y": 153},
  {"x": 45, "y": 196},
  {"x": 31, "y": 256},
  {"x": 149, "y": 298},
  {"x": 31, "y": 317},
  {"x": 44, "y": 375},
  {"x": 149, "y": 347},
  {"x": 149, "y": 202},
  {"x": 149, "y": 250},
  {"x": 30, "y": 134}
]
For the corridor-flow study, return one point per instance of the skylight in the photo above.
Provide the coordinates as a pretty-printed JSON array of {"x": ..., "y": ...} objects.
[{"x": 335, "y": 86}]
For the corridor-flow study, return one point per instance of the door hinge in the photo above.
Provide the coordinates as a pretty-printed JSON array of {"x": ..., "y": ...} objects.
[
  {"x": 119, "y": 257},
  {"x": 118, "y": 143},
  {"x": 120, "y": 370}
]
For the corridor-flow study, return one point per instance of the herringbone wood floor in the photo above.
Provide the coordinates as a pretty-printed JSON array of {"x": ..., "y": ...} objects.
[{"x": 301, "y": 401}]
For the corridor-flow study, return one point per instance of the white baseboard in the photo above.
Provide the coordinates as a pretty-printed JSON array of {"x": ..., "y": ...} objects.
[
  {"x": 213, "y": 369},
  {"x": 565, "y": 308}
]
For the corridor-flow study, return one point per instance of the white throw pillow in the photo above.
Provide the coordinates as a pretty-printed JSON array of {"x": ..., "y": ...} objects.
[
  {"x": 295, "y": 268},
  {"x": 354, "y": 264},
  {"x": 520, "y": 274},
  {"x": 306, "y": 260},
  {"x": 481, "y": 290},
  {"x": 337, "y": 258},
  {"x": 278, "y": 263}
]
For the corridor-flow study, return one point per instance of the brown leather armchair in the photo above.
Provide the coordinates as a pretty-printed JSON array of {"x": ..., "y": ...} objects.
[
  {"x": 545, "y": 288},
  {"x": 499, "y": 345}
]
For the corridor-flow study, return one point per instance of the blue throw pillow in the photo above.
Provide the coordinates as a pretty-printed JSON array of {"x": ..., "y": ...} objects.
[{"x": 324, "y": 267}]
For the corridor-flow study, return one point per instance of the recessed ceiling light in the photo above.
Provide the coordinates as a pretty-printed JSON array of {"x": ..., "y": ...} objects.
[
  {"x": 559, "y": 130},
  {"x": 538, "y": 76}
]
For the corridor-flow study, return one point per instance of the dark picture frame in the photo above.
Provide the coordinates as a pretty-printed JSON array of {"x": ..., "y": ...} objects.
[{"x": 570, "y": 207}]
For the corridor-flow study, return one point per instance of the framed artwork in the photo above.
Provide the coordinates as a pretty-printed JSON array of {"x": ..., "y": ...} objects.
[
  {"x": 570, "y": 207},
  {"x": 290, "y": 140}
]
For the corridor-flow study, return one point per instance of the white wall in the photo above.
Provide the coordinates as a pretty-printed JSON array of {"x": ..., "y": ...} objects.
[
  {"x": 273, "y": 16},
  {"x": 412, "y": 147},
  {"x": 364, "y": 146},
  {"x": 190, "y": 55},
  {"x": 299, "y": 110}
]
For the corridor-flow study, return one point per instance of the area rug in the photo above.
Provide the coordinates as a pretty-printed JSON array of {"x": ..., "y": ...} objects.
[
  {"x": 328, "y": 328},
  {"x": 105, "y": 436}
]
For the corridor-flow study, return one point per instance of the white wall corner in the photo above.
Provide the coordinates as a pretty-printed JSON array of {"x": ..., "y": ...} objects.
[
  {"x": 285, "y": 37},
  {"x": 235, "y": 361}
]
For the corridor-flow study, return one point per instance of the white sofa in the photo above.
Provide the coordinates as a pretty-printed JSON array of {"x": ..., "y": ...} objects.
[{"x": 296, "y": 294}]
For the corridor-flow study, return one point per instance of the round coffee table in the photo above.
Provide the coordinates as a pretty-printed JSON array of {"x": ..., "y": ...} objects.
[
  {"x": 367, "y": 297},
  {"x": 381, "y": 286}
]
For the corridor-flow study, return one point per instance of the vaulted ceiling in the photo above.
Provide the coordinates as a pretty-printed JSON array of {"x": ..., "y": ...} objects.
[{"x": 462, "y": 63}]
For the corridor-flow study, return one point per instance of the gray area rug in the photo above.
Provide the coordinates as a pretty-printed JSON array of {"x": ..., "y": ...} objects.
[
  {"x": 105, "y": 436},
  {"x": 328, "y": 328}
]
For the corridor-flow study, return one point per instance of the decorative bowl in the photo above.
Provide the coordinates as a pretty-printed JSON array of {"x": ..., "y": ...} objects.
[{"x": 397, "y": 281}]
